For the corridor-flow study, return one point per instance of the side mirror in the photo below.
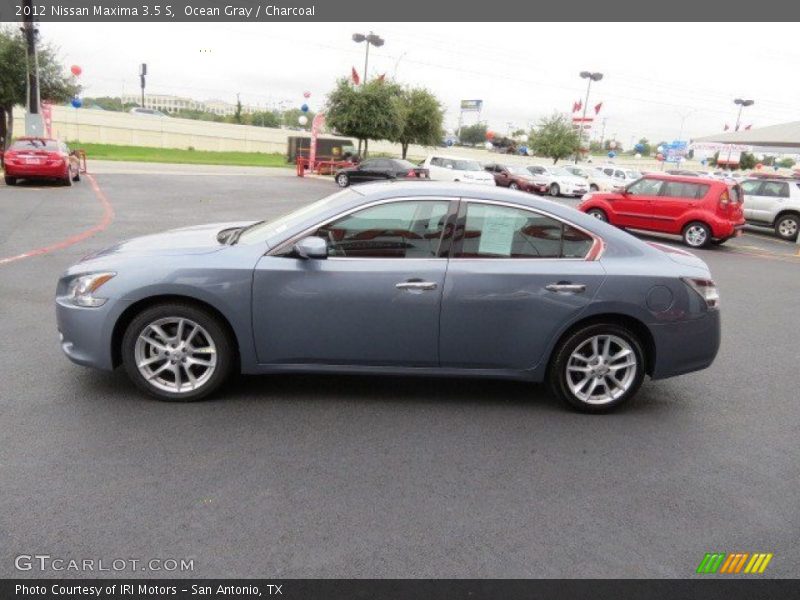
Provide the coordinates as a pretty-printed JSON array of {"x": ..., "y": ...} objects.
[{"x": 311, "y": 247}]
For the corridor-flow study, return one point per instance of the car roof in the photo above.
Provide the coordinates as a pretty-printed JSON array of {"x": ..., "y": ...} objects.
[
  {"x": 451, "y": 157},
  {"x": 684, "y": 178}
]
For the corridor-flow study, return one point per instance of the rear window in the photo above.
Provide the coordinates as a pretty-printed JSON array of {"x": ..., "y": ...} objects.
[
  {"x": 682, "y": 189},
  {"x": 51, "y": 145},
  {"x": 735, "y": 193}
]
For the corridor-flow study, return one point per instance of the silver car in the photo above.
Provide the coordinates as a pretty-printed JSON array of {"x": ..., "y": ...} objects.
[
  {"x": 773, "y": 203},
  {"x": 409, "y": 279}
]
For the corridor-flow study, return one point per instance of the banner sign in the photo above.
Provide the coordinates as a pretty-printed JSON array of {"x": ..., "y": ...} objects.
[
  {"x": 316, "y": 126},
  {"x": 471, "y": 104}
]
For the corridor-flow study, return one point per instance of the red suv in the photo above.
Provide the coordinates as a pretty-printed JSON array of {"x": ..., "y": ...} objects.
[{"x": 702, "y": 211}]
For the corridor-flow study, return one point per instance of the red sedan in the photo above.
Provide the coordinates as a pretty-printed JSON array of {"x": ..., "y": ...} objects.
[
  {"x": 40, "y": 158},
  {"x": 702, "y": 211}
]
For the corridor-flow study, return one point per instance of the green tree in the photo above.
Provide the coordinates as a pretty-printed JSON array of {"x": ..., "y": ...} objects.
[
  {"x": 369, "y": 112},
  {"x": 747, "y": 161},
  {"x": 555, "y": 137},
  {"x": 107, "y": 103},
  {"x": 54, "y": 84},
  {"x": 786, "y": 163},
  {"x": 290, "y": 117},
  {"x": 237, "y": 116},
  {"x": 422, "y": 117},
  {"x": 266, "y": 118},
  {"x": 647, "y": 148},
  {"x": 595, "y": 147},
  {"x": 473, "y": 134}
]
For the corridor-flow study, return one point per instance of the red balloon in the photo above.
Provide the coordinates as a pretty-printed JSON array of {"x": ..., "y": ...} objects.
[
  {"x": 759, "y": 165},
  {"x": 489, "y": 135},
  {"x": 76, "y": 70},
  {"x": 306, "y": 94},
  {"x": 659, "y": 156}
]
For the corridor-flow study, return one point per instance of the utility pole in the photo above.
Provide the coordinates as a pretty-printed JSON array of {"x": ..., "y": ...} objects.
[
  {"x": 142, "y": 75},
  {"x": 603, "y": 133},
  {"x": 34, "y": 125}
]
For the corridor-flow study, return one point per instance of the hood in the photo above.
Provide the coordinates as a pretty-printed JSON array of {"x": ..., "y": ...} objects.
[
  {"x": 197, "y": 239},
  {"x": 479, "y": 175}
]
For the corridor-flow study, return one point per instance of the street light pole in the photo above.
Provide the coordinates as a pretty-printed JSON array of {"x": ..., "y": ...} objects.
[
  {"x": 591, "y": 77},
  {"x": 371, "y": 39},
  {"x": 741, "y": 103}
]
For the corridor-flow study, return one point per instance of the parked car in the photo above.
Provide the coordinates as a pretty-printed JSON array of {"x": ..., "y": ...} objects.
[
  {"x": 517, "y": 178},
  {"x": 40, "y": 158},
  {"x": 620, "y": 175},
  {"x": 773, "y": 203},
  {"x": 598, "y": 181},
  {"x": 407, "y": 279},
  {"x": 560, "y": 181},
  {"x": 453, "y": 168},
  {"x": 701, "y": 211},
  {"x": 379, "y": 169}
]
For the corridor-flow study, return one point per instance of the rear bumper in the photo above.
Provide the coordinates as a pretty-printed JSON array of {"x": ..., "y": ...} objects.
[
  {"x": 725, "y": 229},
  {"x": 686, "y": 346},
  {"x": 35, "y": 171}
]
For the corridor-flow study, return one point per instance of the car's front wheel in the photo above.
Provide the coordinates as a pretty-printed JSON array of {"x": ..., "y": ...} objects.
[
  {"x": 787, "y": 226},
  {"x": 598, "y": 367},
  {"x": 598, "y": 213},
  {"x": 555, "y": 190},
  {"x": 342, "y": 180},
  {"x": 513, "y": 185},
  {"x": 177, "y": 352},
  {"x": 593, "y": 187}
]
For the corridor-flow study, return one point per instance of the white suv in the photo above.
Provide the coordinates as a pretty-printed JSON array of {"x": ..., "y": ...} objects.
[
  {"x": 598, "y": 181},
  {"x": 453, "y": 168},
  {"x": 773, "y": 203},
  {"x": 621, "y": 176}
]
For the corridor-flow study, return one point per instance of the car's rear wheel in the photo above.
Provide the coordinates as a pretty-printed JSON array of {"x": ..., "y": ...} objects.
[
  {"x": 67, "y": 179},
  {"x": 593, "y": 187},
  {"x": 77, "y": 175},
  {"x": 342, "y": 180},
  {"x": 598, "y": 367},
  {"x": 177, "y": 352},
  {"x": 598, "y": 213},
  {"x": 787, "y": 226},
  {"x": 555, "y": 190},
  {"x": 513, "y": 186},
  {"x": 10, "y": 180},
  {"x": 696, "y": 235}
]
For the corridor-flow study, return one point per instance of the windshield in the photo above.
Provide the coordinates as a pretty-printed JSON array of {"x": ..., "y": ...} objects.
[
  {"x": 521, "y": 171},
  {"x": 560, "y": 171},
  {"x": 264, "y": 230},
  {"x": 466, "y": 165}
]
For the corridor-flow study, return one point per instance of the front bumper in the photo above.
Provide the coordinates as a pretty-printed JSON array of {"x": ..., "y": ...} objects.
[
  {"x": 686, "y": 346},
  {"x": 85, "y": 334}
]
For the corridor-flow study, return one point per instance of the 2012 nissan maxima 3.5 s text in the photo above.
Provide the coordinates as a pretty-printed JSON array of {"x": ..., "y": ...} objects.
[{"x": 400, "y": 278}]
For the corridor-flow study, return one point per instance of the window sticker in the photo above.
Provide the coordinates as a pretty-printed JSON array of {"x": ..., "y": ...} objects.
[{"x": 497, "y": 233}]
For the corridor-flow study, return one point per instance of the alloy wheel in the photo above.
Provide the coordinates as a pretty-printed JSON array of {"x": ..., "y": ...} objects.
[
  {"x": 787, "y": 227},
  {"x": 601, "y": 369},
  {"x": 342, "y": 180},
  {"x": 696, "y": 235},
  {"x": 175, "y": 354}
]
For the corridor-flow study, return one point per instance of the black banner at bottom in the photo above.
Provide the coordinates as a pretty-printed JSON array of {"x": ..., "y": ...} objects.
[{"x": 391, "y": 589}]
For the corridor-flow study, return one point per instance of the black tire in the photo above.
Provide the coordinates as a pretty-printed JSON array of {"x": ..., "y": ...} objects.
[
  {"x": 593, "y": 187},
  {"x": 77, "y": 176},
  {"x": 67, "y": 180},
  {"x": 787, "y": 226},
  {"x": 343, "y": 180},
  {"x": 598, "y": 213},
  {"x": 513, "y": 186},
  {"x": 719, "y": 242},
  {"x": 10, "y": 180},
  {"x": 555, "y": 190},
  {"x": 225, "y": 349},
  {"x": 557, "y": 375},
  {"x": 693, "y": 238}
]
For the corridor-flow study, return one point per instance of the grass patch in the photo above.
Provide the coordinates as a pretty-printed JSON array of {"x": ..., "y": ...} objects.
[{"x": 180, "y": 156}]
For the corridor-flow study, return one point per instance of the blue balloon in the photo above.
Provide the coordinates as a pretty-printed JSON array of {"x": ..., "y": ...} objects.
[
  {"x": 304, "y": 108},
  {"x": 612, "y": 154},
  {"x": 776, "y": 167},
  {"x": 76, "y": 102},
  {"x": 449, "y": 142},
  {"x": 639, "y": 147}
]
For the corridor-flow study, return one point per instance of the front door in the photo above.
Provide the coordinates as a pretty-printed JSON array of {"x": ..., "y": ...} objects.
[
  {"x": 515, "y": 277},
  {"x": 635, "y": 208},
  {"x": 374, "y": 301}
]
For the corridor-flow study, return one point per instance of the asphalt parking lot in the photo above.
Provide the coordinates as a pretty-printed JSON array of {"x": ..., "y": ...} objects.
[{"x": 381, "y": 477}]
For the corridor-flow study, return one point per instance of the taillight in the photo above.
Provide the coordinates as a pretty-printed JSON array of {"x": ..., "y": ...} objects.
[{"x": 706, "y": 289}]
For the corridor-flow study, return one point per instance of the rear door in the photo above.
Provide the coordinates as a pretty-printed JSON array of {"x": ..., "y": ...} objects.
[
  {"x": 752, "y": 199},
  {"x": 635, "y": 207},
  {"x": 514, "y": 278},
  {"x": 771, "y": 198},
  {"x": 674, "y": 201}
]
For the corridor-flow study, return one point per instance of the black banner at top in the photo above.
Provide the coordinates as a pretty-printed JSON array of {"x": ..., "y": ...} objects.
[{"x": 260, "y": 11}]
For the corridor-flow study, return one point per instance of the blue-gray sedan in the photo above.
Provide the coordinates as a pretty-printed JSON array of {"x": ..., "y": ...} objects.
[{"x": 410, "y": 279}]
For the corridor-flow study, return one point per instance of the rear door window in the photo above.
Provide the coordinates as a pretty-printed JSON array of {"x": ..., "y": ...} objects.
[
  {"x": 775, "y": 189},
  {"x": 682, "y": 189}
]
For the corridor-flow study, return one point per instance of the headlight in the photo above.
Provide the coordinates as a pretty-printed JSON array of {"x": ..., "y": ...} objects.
[
  {"x": 81, "y": 289},
  {"x": 706, "y": 289}
]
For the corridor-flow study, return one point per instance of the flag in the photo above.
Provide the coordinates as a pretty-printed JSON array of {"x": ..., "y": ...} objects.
[
  {"x": 748, "y": 127},
  {"x": 726, "y": 127},
  {"x": 597, "y": 107},
  {"x": 580, "y": 105},
  {"x": 354, "y": 76},
  {"x": 576, "y": 106}
]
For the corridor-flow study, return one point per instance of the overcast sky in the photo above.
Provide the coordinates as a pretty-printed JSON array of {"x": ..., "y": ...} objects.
[{"x": 655, "y": 75}]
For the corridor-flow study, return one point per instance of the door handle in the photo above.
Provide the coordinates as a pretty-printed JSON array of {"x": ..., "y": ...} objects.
[
  {"x": 416, "y": 285},
  {"x": 572, "y": 288}
]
